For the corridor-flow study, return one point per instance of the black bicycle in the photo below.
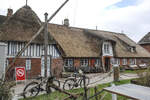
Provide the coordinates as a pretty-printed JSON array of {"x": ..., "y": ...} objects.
[
  {"x": 75, "y": 81},
  {"x": 33, "y": 88}
]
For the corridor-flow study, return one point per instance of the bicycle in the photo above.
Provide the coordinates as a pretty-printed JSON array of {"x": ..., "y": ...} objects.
[
  {"x": 33, "y": 88},
  {"x": 72, "y": 82}
]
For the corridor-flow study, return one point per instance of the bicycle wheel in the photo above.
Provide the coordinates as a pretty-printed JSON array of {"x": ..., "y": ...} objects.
[
  {"x": 31, "y": 90},
  {"x": 87, "y": 81},
  {"x": 48, "y": 85},
  {"x": 69, "y": 84}
]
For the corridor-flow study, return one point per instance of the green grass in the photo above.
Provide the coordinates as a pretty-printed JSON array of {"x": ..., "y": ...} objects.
[
  {"x": 133, "y": 71},
  {"x": 60, "y": 96}
]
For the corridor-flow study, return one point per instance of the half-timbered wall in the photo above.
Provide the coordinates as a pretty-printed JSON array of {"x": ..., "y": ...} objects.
[{"x": 33, "y": 50}]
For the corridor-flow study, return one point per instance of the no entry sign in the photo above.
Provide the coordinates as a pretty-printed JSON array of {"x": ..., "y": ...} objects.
[{"x": 20, "y": 73}]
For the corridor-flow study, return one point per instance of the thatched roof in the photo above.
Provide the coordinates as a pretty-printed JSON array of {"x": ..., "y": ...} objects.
[
  {"x": 145, "y": 39},
  {"x": 2, "y": 19},
  {"x": 21, "y": 26},
  {"x": 77, "y": 42}
]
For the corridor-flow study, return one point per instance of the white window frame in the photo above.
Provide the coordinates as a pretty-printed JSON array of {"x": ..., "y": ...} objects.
[
  {"x": 132, "y": 61},
  {"x": 124, "y": 61},
  {"x": 107, "y": 49},
  {"x": 97, "y": 62},
  {"x": 84, "y": 62},
  {"x": 28, "y": 64},
  {"x": 68, "y": 62},
  {"x": 115, "y": 61},
  {"x": 6, "y": 63}
]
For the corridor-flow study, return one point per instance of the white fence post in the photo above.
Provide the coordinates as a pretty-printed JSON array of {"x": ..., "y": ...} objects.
[{"x": 114, "y": 96}]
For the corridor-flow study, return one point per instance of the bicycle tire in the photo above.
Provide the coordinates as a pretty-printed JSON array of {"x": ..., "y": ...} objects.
[
  {"x": 49, "y": 89},
  {"x": 87, "y": 81},
  {"x": 68, "y": 84},
  {"x": 33, "y": 89}
]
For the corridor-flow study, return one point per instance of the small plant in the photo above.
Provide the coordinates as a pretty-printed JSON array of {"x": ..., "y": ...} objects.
[
  {"x": 144, "y": 77},
  {"x": 5, "y": 90}
]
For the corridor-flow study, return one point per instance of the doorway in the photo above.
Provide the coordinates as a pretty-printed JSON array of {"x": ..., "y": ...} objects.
[
  {"x": 43, "y": 66},
  {"x": 107, "y": 64}
]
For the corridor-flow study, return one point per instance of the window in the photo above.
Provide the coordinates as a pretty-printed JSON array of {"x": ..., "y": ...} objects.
[
  {"x": 132, "y": 61},
  {"x": 106, "y": 48},
  {"x": 68, "y": 62},
  {"x": 132, "y": 49},
  {"x": 28, "y": 64},
  {"x": 124, "y": 61},
  {"x": 115, "y": 61},
  {"x": 6, "y": 63},
  {"x": 97, "y": 62},
  {"x": 84, "y": 62}
]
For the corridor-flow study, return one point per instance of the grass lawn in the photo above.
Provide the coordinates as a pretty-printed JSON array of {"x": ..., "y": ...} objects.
[
  {"x": 60, "y": 96},
  {"x": 134, "y": 71}
]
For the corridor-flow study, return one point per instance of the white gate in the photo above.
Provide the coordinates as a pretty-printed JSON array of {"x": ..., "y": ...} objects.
[{"x": 43, "y": 67}]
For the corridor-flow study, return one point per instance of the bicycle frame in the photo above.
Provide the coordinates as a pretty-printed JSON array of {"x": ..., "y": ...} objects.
[{"x": 76, "y": 80}]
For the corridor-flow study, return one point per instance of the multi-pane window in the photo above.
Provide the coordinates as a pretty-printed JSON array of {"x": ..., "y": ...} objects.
[
  {"x": 6, "y": 62},
  {"x": 35, "y": 50},
  {"x": 84, "y": 62},
  {"x": 106, "y": 48},
  {"x": 28, "y": 64},
  {"x": 132, "y": 61},
  {"x": 115, "y": 61},
  {"x": 97, "y": 62},
  {"x": 68, "y": 62},
  {"x": 124, "y": 61}
]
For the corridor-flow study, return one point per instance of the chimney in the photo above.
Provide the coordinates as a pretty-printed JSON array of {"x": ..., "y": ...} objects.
[
  {"x": 9, "y": 12},
  {"x": 66, "y": 22}
]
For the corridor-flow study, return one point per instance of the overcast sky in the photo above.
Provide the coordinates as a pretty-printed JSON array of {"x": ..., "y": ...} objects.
[{"x": 131, "y": 17}]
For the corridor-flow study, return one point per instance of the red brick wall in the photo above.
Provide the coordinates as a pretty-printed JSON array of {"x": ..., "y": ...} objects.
[
  {"x": 21, "y": 62},
  {"x": 147, "y": 47},
  {"x": 35, "y": 68},
  {"x": 57, "y": 66}
]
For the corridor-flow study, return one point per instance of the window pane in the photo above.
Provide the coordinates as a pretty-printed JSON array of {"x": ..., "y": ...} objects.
[{"x": 28, "y": 64}]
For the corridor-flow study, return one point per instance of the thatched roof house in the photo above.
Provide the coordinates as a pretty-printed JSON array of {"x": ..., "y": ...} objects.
[
  {"x": 145, "y": 42},
  {"x": 75, "y": 42},
  {"x": 76, "y": 46},
  {"x": 145, "y": 39}
]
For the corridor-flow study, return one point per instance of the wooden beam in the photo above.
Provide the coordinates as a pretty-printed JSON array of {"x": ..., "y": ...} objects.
[
  {"x": 38, "y": 32},
  {"x": 45, "y": 43}
]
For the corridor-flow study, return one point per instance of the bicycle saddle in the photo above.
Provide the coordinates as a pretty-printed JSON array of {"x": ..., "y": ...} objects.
[{"x": 39, "y": 78}]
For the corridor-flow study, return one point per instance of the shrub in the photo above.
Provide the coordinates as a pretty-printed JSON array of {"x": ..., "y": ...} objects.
[
  {"x": 144, "y": 77},
  {"x": 5, "y": 90}
]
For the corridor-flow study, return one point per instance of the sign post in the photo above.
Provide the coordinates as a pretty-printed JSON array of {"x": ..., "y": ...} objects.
[{"x": 20, "y": 73}]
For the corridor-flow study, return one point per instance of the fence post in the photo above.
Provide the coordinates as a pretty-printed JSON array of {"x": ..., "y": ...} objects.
[
  {"x": 114, "y": 96},
  {"x": 116, "y": 71},
  {"x": 85, "y": 88},
  {"x": 95, "y": 89}
]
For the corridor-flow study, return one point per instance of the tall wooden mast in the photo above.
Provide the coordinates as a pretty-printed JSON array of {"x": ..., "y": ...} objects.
[{"x": 45, "y": 44}]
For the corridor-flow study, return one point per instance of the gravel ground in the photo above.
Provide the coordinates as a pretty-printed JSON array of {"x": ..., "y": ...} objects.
[{"x": 95, "y": 79}]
